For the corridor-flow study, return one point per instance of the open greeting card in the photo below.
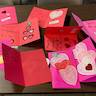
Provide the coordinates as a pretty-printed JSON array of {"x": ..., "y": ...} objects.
[
  {"x": 74, "y": 65},
  {"x": 60, "y": 38},
  {"x": 25, "y": 68},
  {"x": 63, "y": 70},
  {"x": 22, "y": 33},
  {"x": 85, "y": 56},
  {"x": 1, "y": 55},
  {"x": 49, "y": 18},
  {"x": 89, "y": 26},
  {"x": 8, "y": 15}
]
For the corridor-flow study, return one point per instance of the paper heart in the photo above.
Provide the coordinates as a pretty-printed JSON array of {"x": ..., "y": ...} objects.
[
  {"x": 89, "y": 67},
  {"x": 55, "y": 14},
  {"x": 58, "y": 58},
  {"x": 69, "y": 75},
  {"x": 62, "y": 65},
  {"x": 79, "y": 49},
  {"x": 85, "y": 65}
]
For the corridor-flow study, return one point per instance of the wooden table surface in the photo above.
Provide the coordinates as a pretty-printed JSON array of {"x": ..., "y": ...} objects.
[{"x": 85, "y": 12}]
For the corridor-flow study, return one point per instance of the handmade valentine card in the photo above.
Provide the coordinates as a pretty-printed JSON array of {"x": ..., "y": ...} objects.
[
  {"x": 25, "y": 68},
  {"x": 63, "y": 70},
  {"x": 89, "y": 26},
  {"x": 1, "y": 55},
  {"x": 20, "y": 34},
  {"x": 8, "y": 15},
  {"x": 60, "y": 38},
  {"x": 49, "y": 18},
  {"x": 85, "y": 56}
]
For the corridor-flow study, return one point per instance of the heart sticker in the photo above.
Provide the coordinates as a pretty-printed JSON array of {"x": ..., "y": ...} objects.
[
  {"x": 55, "y": 14},
  {"x": 69, "y": 75}
]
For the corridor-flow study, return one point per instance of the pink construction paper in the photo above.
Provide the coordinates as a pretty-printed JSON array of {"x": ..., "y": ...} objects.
[
  {"x": 90, "y": 46},
  {"x": 1, "y": 54},
  {"x": 8, "y": 15},
  {"x": 57, "y": 81},
  {"x": 43, "y": 16},
  {"x": 22, "y": 33},
  {"x": 88, "y": 26},
  {"x": 27, "y": 68}
]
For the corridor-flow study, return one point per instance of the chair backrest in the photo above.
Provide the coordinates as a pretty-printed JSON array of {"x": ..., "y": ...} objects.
[
  {"x": 6, "y": 2},
  {"x": 72, "y": 2}
]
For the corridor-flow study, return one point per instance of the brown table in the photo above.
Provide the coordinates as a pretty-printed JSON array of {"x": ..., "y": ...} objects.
[{"x": 86, "y": 12}]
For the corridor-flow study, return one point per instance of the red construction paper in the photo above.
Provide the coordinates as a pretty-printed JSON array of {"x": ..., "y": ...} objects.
[
  {"x": 44, "y": 18},
  {"x": 25, "y": 68},
  {"x": 20, "y": 34},
  {"x": 60, "y": 38}
]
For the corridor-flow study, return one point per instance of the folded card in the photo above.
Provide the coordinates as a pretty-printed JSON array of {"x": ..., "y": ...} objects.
[
  {"x": 89, "y": 26},
  {"x": 60, "y": 38},
  {"x": 20, "y": 34},
  {"x": 74, "y": 65},
  {"x": 25, "y": 68},
  {"x": 85, "y": 56},
  {"x": 8, "y": 15},
  {"x": 49, "y": 18},
  {"x": 63, "y": 70}
]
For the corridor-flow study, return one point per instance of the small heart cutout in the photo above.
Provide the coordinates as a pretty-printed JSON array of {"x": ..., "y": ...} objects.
[
  {"x": 89, "y": 67},
  {"x": 55, "y": 14},
  {"x": 69, "y": 75}
]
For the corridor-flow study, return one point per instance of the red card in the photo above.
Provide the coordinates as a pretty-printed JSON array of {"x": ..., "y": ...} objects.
[
  {"x": 20, "y": 34},
  {"x": 25, "y": 68},
  {"x": 8, "y": 15},
  {"x": 49, "y": 18},
  {"x": 60, "y": 38}
]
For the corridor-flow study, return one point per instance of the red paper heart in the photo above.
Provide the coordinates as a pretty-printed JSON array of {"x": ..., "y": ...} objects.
[
  {"x": 62, "y": 65},
  {"x": 89, "y": 67}
]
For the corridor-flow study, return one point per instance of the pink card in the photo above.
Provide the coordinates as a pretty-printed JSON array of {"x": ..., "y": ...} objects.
[
  {"x": 27, "y": 68},
  {"x": 20, "y": 34},
  {"x": 63, "y": 70},
  {"x": 82, "y": 57},
  {"x": 89, "y": 26},
  {"x": 85, "y": 56},
  {"x": 1, "y": 55},
  {"x": 8, "y": 15},
  {"x": 51, "y": 18},
  {"x": 60, "y": 38}
]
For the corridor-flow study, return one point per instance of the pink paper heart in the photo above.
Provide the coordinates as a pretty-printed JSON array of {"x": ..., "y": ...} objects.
[{"x": 69, "y": 75}]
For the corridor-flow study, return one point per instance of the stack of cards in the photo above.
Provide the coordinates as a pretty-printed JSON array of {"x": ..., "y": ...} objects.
[{"x": 71, "y": 62}]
